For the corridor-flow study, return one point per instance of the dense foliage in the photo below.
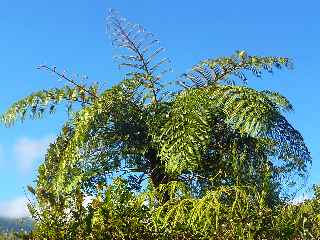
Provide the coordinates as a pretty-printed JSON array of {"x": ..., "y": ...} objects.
[{"x": 201, "y": 157}]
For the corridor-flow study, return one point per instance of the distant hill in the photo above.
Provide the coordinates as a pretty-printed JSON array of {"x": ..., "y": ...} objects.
[{"x": 12, "y": 225}]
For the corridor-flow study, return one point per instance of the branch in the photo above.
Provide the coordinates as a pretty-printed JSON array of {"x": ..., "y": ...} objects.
[{"x": 70, "y": 80}]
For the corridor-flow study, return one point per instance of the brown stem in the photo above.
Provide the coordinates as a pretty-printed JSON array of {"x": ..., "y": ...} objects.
[
  {"x": 157, "y": 173},
  {"x": 70, "y": 80}
]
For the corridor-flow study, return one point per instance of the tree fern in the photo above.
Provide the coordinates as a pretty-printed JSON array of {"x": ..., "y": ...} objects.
[{"x": 194, "y": 152}]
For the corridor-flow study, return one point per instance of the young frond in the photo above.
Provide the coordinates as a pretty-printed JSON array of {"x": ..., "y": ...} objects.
[
  {"x": 142, "y": 52},
  {"x": 143, "y": 47},
  {"x": 230, "y": 69}
]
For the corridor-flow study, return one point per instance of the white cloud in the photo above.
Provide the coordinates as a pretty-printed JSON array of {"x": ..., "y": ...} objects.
[
  {"x": 14, "y": 208},
  {"x": 27, "y": 151}
]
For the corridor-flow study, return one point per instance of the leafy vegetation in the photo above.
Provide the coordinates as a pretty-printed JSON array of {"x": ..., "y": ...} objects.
[
  {"x": 201, "y": 157},
  {"x": 11, "y": 228}
]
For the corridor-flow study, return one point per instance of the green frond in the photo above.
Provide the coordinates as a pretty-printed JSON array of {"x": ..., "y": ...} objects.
[
  {"x": 71, "y": 155},
  {"x": 223, "y": 208},
  {"x": 247, "y": 110},
  {"x": 105, "y": 133},
  {"x": 258, "y": 114},
  {"x": 291, "y": 149},
  {"x": 185, "y": 135},
  {"x": 35, "y": 105},
  {"x": 279, "y": 100},
  {"x": 49, "y": 169},
  {"x": 229, "y": 69}
]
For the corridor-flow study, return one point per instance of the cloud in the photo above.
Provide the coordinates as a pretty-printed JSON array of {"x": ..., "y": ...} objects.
[
  {"x": 14, "y": 208},
  {"x": 27, "y": 151}
]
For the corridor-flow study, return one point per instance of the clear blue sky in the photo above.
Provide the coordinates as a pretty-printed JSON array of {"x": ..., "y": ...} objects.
[{"x": 71, "y": 35}]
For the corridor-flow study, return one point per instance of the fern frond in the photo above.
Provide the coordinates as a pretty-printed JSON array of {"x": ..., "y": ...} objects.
[
  {"x": 213, "y": 71},
  {"x": 144, "y": 51},
  {"x": 279, "y": 100},
  {"x": 108, "y": 131},
  {"x": 186, "y": 135},
  {"x": 248, "y": 110},
  {"x": 40, "y": 102},
  {"x": 72, "y": 153},
  {"x": 49, "y": 169},
  {"x": 143, "y": 46},
  {"x": 219, "y": 209},
  {"x": 291, "y": 149}
]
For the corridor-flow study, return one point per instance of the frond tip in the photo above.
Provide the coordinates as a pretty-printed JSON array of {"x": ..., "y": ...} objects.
[
  {"x": 144, "y": 49},
  {"x": 231, "y": 69},
  {"x": 43, "y": 101}
]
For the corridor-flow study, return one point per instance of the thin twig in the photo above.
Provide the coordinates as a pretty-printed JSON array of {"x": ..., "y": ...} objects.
[{"x": 64, "y": 77}]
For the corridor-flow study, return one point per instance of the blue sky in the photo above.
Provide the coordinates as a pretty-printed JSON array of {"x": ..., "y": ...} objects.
[{"x": 72, "y": 35}]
